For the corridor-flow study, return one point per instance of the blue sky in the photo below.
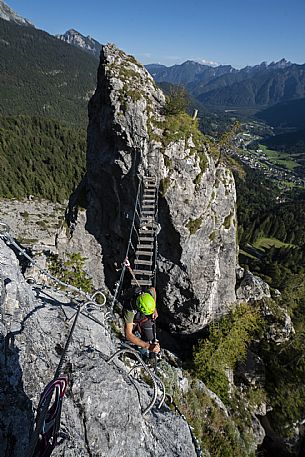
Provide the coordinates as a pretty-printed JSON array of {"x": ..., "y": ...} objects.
[{"x": 236, "y": 32}]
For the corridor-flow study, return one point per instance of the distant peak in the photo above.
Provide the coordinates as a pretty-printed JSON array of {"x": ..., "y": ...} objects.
[
  {"x": 87, "y": 44},
  {"x": 8, "y": 14},
  {"x": 190, "y": 62},
  {"x": 283, "y": 63},
  {"x": 73, "y": 31}
]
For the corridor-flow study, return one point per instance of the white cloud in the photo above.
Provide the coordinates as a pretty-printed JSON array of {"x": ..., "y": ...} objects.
[{"x": 208, "y": 62}]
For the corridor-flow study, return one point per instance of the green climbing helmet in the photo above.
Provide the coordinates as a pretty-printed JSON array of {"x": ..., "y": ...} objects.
[{"x": 146, "y": 304}]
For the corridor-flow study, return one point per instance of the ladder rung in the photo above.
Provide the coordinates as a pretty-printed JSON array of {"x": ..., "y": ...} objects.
[
  {"x": 147, "y": 206},
  {"x": 142, "y": 282},
  {"x": 149, "y": 178},
  {"x": 147, "y": 231},
  {"x": 143, "y": 262},
  {"x": 149, "y": 223},
  {"x": 148, "y": 238},
  {"x": 143, "y": 272},
  {"x": 147, "y": 220},
  {"x": 146, "y": 253}
]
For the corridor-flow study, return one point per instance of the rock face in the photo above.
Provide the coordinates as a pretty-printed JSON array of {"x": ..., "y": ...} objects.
[
  {"x": 87, "y": 44},
  {"x": 197, "y": 247},
  {"x": 251, "y": 287},
  {"x": 51, "y": 235},
  {"x": 101, "y": 411},
  {"x": 8, "y": 14}
]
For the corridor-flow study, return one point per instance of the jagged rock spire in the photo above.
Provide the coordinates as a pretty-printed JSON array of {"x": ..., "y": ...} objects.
[{"x": 197, "y": 242}]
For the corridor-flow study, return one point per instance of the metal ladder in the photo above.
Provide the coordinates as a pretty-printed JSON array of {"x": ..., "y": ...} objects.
[{"x": 144, "y": 270}]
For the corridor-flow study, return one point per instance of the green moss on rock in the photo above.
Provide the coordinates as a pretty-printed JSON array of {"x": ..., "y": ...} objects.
[
  {"x": 227, "y": 221},
  {"x": 164, "y": 186},
  {"x": 194, "y": 224}
]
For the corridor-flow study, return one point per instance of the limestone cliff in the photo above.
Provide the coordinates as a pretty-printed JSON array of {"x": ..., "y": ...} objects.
[
  {"x": 102, "y": 409},
  {"x": 128, "y": 135}
]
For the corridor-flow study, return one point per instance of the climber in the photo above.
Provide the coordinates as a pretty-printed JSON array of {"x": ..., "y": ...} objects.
[{"x": 139, "y": 317}]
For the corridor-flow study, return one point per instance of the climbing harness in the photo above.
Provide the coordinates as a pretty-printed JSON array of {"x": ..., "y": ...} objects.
[{"x": 145, "y": 326}]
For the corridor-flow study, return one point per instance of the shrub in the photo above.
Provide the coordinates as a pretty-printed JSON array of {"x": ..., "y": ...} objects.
[
  {"x": 164, "y": 186},
  {"x": 224, "y": 348},
  {"x": 216, "y": 432},
  {"x": 71, "y": 271},
  {"x": 176, "y": 101}
]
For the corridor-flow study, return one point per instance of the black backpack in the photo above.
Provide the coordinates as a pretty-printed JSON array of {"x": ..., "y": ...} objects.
[{"x": 146, "y": 326}]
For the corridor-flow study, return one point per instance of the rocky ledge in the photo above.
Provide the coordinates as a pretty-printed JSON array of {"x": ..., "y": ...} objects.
[{"x": 102, "y": 409}]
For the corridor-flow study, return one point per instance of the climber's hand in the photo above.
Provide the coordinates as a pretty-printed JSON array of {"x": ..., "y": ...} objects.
[
  {"x": 155, "y": 314},
  {"x": 154, "y": 347}
]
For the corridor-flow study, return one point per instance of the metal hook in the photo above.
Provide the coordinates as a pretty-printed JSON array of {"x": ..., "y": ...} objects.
[
  {"x": 4, "y": 228},
  {"x": 99, "y": 292}
]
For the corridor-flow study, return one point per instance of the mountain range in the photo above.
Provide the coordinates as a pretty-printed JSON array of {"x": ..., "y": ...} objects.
[
  {"x": 255, "y": 87},
  {"x": 223, "y": 86},
  {"x": 250, "y": 89}
]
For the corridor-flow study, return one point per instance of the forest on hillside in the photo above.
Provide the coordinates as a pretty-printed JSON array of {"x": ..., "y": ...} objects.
[
  {"x": 271, "y": 228},
  {"x": 43, "y": 76},
  {"x": 272, "y": 246},
  {"x": 40, "y": 157}
]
